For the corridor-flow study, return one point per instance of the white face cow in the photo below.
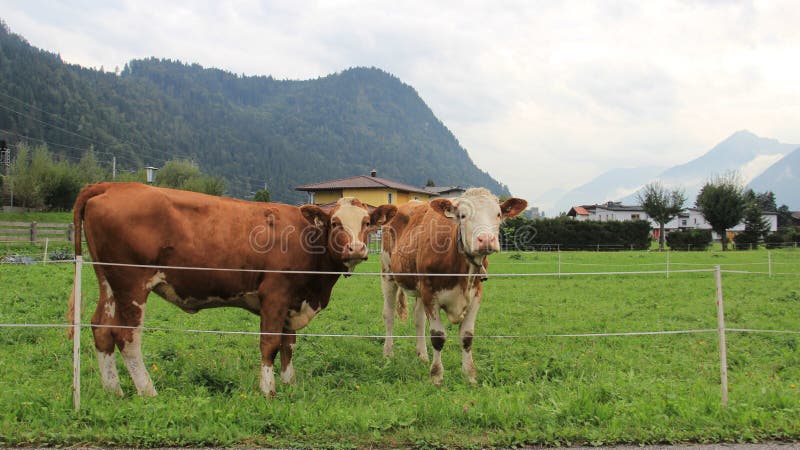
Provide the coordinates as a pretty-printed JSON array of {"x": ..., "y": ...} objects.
[
  {"x": 478, "y": 215},
  {"x": 350, "y": 224}
]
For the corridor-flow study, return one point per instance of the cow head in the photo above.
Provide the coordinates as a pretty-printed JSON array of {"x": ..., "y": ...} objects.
[
  {"x": 478, "y": 215},
  {"x": 348, "y": 225}
]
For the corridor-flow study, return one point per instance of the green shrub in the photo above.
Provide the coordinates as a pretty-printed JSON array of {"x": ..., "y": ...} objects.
[
  {"x": 689, "y": 239},
  {"x": 781, "y": 238},
  {"x": 568, "y": 234}
]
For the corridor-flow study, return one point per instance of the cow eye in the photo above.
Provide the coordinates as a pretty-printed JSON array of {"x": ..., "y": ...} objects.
[
  {"x": 498, "y": 215},
  {"x": 462, "y": 216}
]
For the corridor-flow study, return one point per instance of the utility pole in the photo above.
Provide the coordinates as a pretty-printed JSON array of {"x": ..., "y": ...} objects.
[{"x": 113, "y": 168}]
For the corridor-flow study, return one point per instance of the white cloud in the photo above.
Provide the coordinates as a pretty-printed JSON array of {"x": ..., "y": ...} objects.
[{"x": 542, "y": 94}]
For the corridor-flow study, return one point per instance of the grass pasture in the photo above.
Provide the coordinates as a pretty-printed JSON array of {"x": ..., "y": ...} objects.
[{"x": 541, "y": 389}]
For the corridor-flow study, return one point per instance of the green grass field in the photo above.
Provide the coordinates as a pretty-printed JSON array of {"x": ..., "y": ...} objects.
[{"x": 539, "y": 389}]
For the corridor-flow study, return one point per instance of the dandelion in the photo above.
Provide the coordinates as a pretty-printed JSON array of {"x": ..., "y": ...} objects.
[
  {"x": 242, "y": 395},
  {"x": 792, "y": 386},
  {"x": 155, "y": 368}
]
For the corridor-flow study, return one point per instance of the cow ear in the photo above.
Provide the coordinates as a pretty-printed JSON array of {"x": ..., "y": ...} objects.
[
  {"x": 513, "y": 207},
  {"x": 444, "y": 207},
  {"x": 315, "y": 215},
  {"x": 382, "y": 215}
]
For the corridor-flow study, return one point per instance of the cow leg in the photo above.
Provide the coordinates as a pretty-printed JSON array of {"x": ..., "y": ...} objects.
[
  {"x": 466, "y": 333},
  {"x": 420, "y": 320},
  {"x": 287, "y": 347},
  {"x": 437, "y": 342},
  {"x": 273, "y": 318},
  {"x": 102, "y": 319},
  {"x": 127, "y": 294},
  {"x": 390, "y": 290},
  {"x": 131, "y": 348}
]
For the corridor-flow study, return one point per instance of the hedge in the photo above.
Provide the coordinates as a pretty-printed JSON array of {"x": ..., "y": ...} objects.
[
  {"x": 568, "y": 234},
  {"x": 689, "y": 239}
]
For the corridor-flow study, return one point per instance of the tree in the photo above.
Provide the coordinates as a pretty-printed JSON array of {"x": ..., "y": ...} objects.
[
  {"x": 784, "y": 216},
  {"x": 662, "y": 205},
  {"x": 722, "y": 203},
  {"x": 755, "y": 227},
  {"x": 430, "y": 183},
  {"x": 262, "y": 195}
]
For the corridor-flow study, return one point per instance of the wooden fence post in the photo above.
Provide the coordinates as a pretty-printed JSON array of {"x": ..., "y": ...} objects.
[
  {"x": 71, "y": 233},
  {"x": 34, "y": 232},
  {"x": 76, "y": 342},
  {"x": 723, "y": 348}
]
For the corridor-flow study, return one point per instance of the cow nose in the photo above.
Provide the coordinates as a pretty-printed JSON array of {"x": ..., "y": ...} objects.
[
  {"x": 487, "y": 242},
  {"x": 357, "y": 249}
]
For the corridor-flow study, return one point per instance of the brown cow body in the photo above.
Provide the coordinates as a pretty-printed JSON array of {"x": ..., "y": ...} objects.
[
  {"x": 131, "y": 223},
  {"x": 426, "y": 240}
]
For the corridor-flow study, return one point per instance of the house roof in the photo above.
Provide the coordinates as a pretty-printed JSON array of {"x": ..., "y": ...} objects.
[
  {"x": 360, "y": 182},
  {"x": 580, "y": 210},
  {"x": 617, "y": 206},
  {"x": 439, "y": 190}
]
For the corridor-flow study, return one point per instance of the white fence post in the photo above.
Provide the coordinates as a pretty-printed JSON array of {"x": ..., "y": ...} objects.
[
  {"x": 668, "y": 263},
  {"x": 44, "y": 255},
  {"x": 769, "y": 263},
  {"x": 723, "y": 348},
  {"x": 76, "y": 338},
  {"x": 559, "y": 263}
]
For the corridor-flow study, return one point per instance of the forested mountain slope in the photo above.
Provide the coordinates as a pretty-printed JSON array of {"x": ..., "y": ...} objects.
[{"x": 249, "y": 130}]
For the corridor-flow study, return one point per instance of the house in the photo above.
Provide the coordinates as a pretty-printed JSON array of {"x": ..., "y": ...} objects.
[
  {"x": 445, "y": 191},
  {"x": 609, "y": 211},
  {"x": 690, "y": 218},
  {"x": 370, "y": 189}
]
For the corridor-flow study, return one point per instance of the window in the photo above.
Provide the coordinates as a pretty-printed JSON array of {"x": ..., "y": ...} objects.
[
  {"x": 416, "y": 198},
  {"x": 634, "y": 216},
  {"x": 683, "y": 222},
  {"x": 390, "y": 198}
]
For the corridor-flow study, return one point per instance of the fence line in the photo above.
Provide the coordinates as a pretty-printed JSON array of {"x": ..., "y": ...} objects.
[{"x": 720, "y": 330}]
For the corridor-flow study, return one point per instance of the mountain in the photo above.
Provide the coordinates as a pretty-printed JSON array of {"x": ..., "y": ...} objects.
[
  {"x": 251, "y": 130},
  {"x": 609, "y": 186},
  {"x": 743, "y": 151},
  {"x": 783, "y": 179}
]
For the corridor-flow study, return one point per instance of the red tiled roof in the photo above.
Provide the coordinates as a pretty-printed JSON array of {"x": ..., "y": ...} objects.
[
  {"x": 580, "y": 210},
  {"x": 360, "y": 182}
]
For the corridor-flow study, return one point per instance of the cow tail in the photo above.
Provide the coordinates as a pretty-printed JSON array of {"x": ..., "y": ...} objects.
[
  {"x": 86, "y": 193},
  {"x": 402, "y": 305}
]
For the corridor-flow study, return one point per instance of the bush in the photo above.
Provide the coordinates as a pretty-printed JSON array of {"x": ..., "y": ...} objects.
[
  {"x": 782, "y": 238},
  {"x": 568, "y": 234},
  {"x": 689, "y": 239},
  {"x": 745, "y": 241}
]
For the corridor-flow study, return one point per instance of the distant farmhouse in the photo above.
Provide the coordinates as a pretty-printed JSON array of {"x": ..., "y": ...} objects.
[
  {"x": 373, "y": 191},
  {"x": 690, "y": 218}
]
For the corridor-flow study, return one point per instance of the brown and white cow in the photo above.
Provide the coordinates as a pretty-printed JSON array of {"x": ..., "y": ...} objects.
[
  {"x": 441, "y": 237},
  {"x": 131, "y": 223}
]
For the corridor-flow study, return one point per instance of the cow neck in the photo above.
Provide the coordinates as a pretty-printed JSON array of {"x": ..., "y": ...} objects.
[{"x": 476, "y": 262}]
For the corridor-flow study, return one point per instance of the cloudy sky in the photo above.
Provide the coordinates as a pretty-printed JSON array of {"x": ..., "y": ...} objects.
[{"x": 543, "y": 95}]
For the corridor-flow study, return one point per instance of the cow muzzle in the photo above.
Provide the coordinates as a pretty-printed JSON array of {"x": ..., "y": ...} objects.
[
  {"x": 486, "y": 244},
  {"x": 355, "y": 252}
]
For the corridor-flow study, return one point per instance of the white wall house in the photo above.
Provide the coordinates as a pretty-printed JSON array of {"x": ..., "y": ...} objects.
[{"x": 690, "y": 218}]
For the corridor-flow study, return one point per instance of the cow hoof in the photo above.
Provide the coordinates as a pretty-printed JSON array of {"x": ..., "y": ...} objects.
[
  {"x": 388, "y": 352},
  {"x": 437, "y": 373},
  {"x": 424, "y": 356}
]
